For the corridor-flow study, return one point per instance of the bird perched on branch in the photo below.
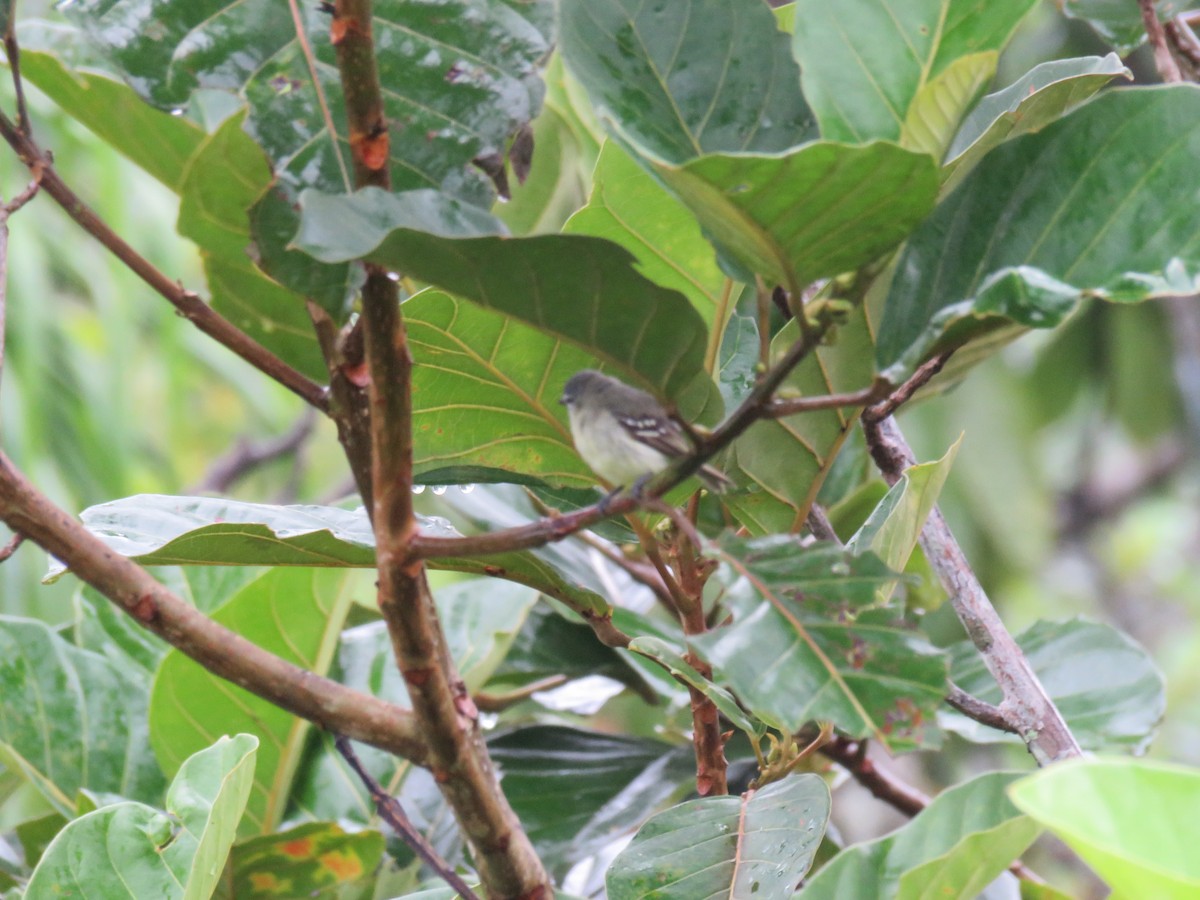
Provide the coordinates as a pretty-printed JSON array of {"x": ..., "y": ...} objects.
[{"x": 624, "y": 434}]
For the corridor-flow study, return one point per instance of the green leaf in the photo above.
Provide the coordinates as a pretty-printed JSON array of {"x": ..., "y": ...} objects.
[
  {"x": 938, "y": 106},
  {"x": 157, "y": 142},
  {"x": 1046, "y": 93},
  {"x": 758, "y": 845},
  {"x": 953, "y": 849},
  {"x": 294, "y": 613},
  {"x": 647, "y": 332},
  {"x": 805, "y": 643},
  {"x": 155, "y": 529},
  {"x": 310, "y": 860},
  {"x": 460, "y": 77},
  {"x": 628, "y": 207},
  {"x": 1120, "y": 23},
  {"x": 690, "y": 77},
  {"x": 865, "y": 62},
  {"x": 1107, "y": 687},
  {"x": 809, "y": 213},
  {"x": 129, "y": 849},
  {"x": 1089, "y": 803},
  {"x": 1088, "y": 205},
  {"x": 72, "y": 718},
  {"x": 220, "y": 182},
  {"x": 892, "y": 529},
  {"x": 574, "y": 790},
  {"x": 672, "y": 660}
]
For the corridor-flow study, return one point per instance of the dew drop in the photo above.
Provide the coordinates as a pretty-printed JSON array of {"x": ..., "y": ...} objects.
[
  {"x": 418, "y": 489},
  {"x": 438, "y": 490}
]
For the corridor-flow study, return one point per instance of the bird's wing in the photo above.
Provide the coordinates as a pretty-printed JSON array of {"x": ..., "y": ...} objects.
[{"x": 659, "y": 432}]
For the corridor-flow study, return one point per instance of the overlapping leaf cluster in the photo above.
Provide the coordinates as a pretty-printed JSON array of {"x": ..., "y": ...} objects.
[{"x": 833, "y": 143}]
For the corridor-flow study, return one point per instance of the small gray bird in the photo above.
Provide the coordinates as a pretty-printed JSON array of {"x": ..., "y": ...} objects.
[{"x": 624, "y": 434}]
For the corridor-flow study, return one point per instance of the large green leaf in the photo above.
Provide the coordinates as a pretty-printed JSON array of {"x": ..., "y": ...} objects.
[
  {"x": 689, "y": 77},
  {"x": 209, "y": 531},
  {"x": 953, "y": 849},
  {"x": 809, "y": 213},
  {"x": 159, "y": 143},
  {"x": 864, "y": 62},
  {"x": 294, "y": 613},
  {"x": 758, "y": 845},
  {"x": 1089, "y": 803},
  {"x": 132, "y": 850},
  {"x": 72, "y": 719},
  {"x": 457, "y": 76},
  {"x": 1106, "y": 686},
  {"x": 1044, "y": 94},
  {"x": 628, "y": 207},
  {"x": 600, "y": 302},
  {"x": 221, "y": 181},
  {"x": 575, "y": 790},
  {"x": 1118, "y": 22},
  {"x": 807, "y": 643},
  {"x": 1092, "y": 204}
]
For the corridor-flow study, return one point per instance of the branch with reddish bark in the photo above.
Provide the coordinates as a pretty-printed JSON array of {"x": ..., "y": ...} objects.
[
  {"x": 1027, "y": 709},
  {"x": 458, "y": 759},
  {"x": 189, "y": 305},
  {"x": 221, "y": 651}
]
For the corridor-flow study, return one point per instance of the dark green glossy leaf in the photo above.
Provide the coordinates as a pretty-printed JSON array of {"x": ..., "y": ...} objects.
[
  {"x": 864, "y": 62},
  {"x": 600, "y": 302},
  {"x": 132, "y": 850},
  {"x": 689, "y": 77},
  {"x": 630, "y": 208},
  {"x": 1106, "y": 686},
  {"x": 310, "y": 860},
  {"x": 159, "y": 143},
  {"x": 954, "y": 848},
  {"x": 1091, "y": 204},
  {"x": 575, "y": 790},
  {"x": 294, "y": 613},
  {"x": 1046, "y": 93},
  {"x": 458, "y": 76},
  {"x": 1089, "y": 803},
  {"x": 209, "y": 531},
  {"x": 73, "y": 719},
  {"x": 813, "y": 212},
  {"x": 221, "y": 181},
  {"x": 806, "y": 643},
  {"x": 758, "y": 845}
]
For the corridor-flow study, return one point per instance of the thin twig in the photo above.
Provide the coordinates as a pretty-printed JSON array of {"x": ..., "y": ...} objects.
[
  {"x": 640, "y": 572},
  {"x": 777, "y": 409},
  {"x": 246, "y": 456},
  {"x": 981, "y": 711},
  {"x": 11, "y": 547},
  {"x": 392, "y": 812},
  {"x": 1163, "y": 60},
  {"x": 189, "y": 305},
  {"x": 494, "y": 703},
  {"x": 897, "y": 398},
  {"x": 13, "y": 52},
  {"x": 819, "y": 524}
]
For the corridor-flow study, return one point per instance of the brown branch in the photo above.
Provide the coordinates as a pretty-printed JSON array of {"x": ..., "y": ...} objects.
[
  {"x": 13, "y": 52},
  {"x": 392, "y": 812},
  {"x": 555, "y": 528},
  {"x": 981, "y": 711},
  {"x": 223, "y": 652},
  {"x": 11, "y": 547},
  {"x": 1163, "y": 60},
  {"x": 189, "y": 305},
  {"x": 494, "y": 703},
  {"x": 901, "y": 395},
  {"x": 777, "y": 409},
  {"x": 246, "y": 456},
  {"x": 1026, "y": 702},
  {"x": 449, "y": 720},
  {"x": 640, "y": 572},
  {"x": 851, "y": 755}
]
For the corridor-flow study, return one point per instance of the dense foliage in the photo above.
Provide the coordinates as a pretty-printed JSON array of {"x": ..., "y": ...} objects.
[{"x": 786, "y": 224}]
